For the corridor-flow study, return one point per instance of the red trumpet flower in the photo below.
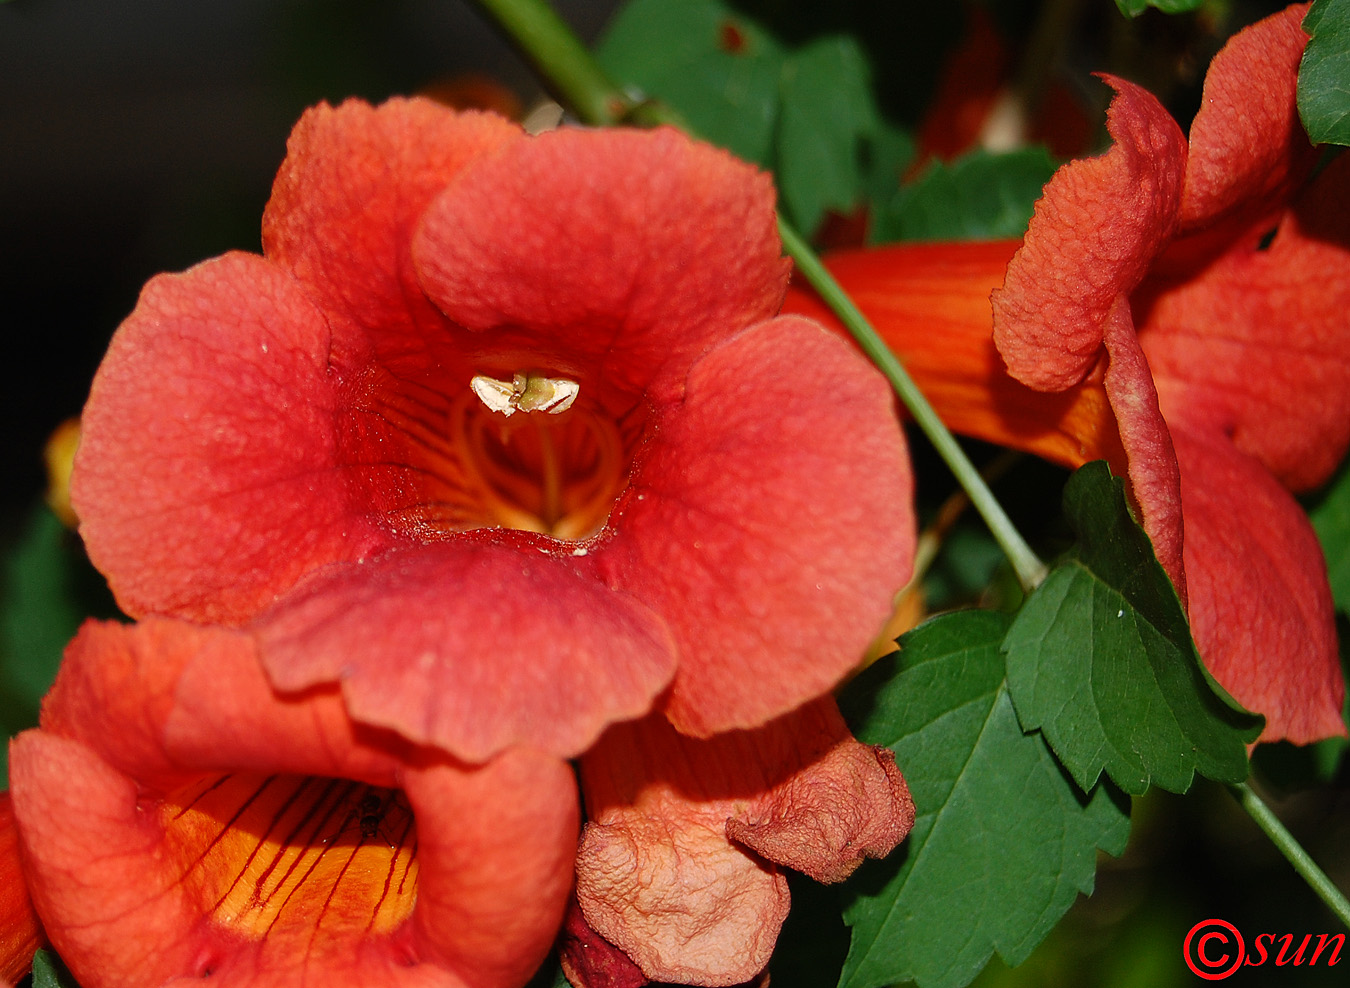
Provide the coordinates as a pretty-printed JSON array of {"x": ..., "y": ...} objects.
[
  {"x": 180, "y": 818},
  {"x": 497, "y": 444},
  {"x": 1180, "y": 310}
]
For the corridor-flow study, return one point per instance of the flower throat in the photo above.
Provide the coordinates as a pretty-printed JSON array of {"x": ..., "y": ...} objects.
[
  {"x": 532, "y": 460},
  {"x": 531, "y": 451}
]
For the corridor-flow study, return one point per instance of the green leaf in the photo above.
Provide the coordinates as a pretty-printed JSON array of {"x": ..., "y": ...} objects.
[
  {"x": 1133, "y": 8},
  {"x": 47, "y": 587},
  {"x": 1100, "y": 659},
  {"x": 1324, "y": 75},
  {"x": 826, "y": 114},
  {"x": 38, "y": 614},
  {"x": 806, "y": 112},
  {"x": 979, "y": 196},
  {"x": 1004, "y": 840},
  {"x": 49, "y": 972},
  {"x": 720, "y": 69},
  {"x": 1331, "y": 521},
  {"x": 886, "y": 153}
]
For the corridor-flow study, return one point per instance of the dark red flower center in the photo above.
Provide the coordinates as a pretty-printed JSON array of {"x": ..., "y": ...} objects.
[{"x": 282, "y": 857}]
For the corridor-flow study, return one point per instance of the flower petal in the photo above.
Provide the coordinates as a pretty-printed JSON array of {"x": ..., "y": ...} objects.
[
  {"x": 115, "y": 692},
  {"x": 1257, "y": 343},
  {"x": 92, "y": 867},
  {"x": 1096, "y": 230},
  {"x": 205, "y": 480},
  {"x": 1155, "y": 480},
  {"x": 347, "y": 198},
  {"x": 687, "y": 906},
  {"x": 1261, "y": 608},
  {"x": 665, "y": 870},
  {"x": 588, "y": 960},
  {"x": 847, "y": 802},
  {"x": 930, "y": 303},
  {"x": 636, "y": 249},
  {"x": 656, "y": 874},
  {"x": 20, "y": 932},
  {"x": 1246, "y": 144},
  {"x": 227, "y": 717},
  {"x": 431, "y": 644},
  {"x": 116, "y": 858},
  {"x": 496, "y": 878},
  {"x": 772, "y": 561}
]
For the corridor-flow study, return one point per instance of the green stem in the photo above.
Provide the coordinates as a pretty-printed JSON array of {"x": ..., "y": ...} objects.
[
  {"x": 561, "y": 59},
  {"x": 1293, "y": 851},
  {"x": 573, "y": 73},
  {"x": 1028, "y": 567}
]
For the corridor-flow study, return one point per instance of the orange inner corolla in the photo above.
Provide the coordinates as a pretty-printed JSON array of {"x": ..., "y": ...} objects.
[
  {"x": 437, "y": 461},
  {"x": 272, "y": 856}
]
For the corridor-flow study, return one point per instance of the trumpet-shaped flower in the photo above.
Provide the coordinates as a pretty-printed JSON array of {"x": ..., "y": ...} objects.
[
  {"x": 498, "y": 416},
  {"x": 500, "y": 443},
  {"x": 1214, "y": 272},
  {"x": 1179, "y": 309},
  {"x": 180, "y": 819}
]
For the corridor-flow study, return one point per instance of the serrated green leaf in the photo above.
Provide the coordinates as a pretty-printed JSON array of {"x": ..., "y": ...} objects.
[
  {"x": 979, "y": 196},
  {"x": 1133, "y": 8},
  {"x": 49, "y": 972},
  {"x": 1004, "y": 841},
  {"x": 826, "y": 115},
  {"x": 886, "y": 154},
  {"x": 1100, "y": 659},
  {"x": 719, "y": 68},
  {"x": 1324, "y": 74},
  {"x": 1331, "y": 521},
  {"x": 806, "y": 113}
]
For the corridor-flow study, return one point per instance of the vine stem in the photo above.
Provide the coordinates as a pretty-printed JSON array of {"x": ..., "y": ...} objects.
[
  {"x": 1293, "y": 851},
  {"x": 560, "y": 58},
  {"x": 575, "y": 77},
  {"x": 1025, "y": 563}
]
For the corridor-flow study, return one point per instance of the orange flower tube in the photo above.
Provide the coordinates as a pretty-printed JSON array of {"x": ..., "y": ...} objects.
[
  {"x": 1179, "y": 308},
  {"x": 180, "y": 819},
  {"x": 931, "y": 304}
]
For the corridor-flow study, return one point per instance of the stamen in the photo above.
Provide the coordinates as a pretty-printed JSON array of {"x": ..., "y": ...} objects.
[
  {"x": 461, "y": 459},
  {"x": 535, "y": 474},
  {"x": 526, "y": 392}
]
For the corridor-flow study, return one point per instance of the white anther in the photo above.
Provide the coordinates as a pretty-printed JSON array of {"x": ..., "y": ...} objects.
[{"x": 526, "y": 393}]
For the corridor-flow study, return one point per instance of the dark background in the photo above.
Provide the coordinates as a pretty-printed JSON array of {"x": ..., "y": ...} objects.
[{"x": 139, "y": 136}]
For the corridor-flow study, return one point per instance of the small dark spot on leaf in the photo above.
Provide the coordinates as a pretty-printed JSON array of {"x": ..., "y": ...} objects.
[{"x": 731, "y": 38}]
